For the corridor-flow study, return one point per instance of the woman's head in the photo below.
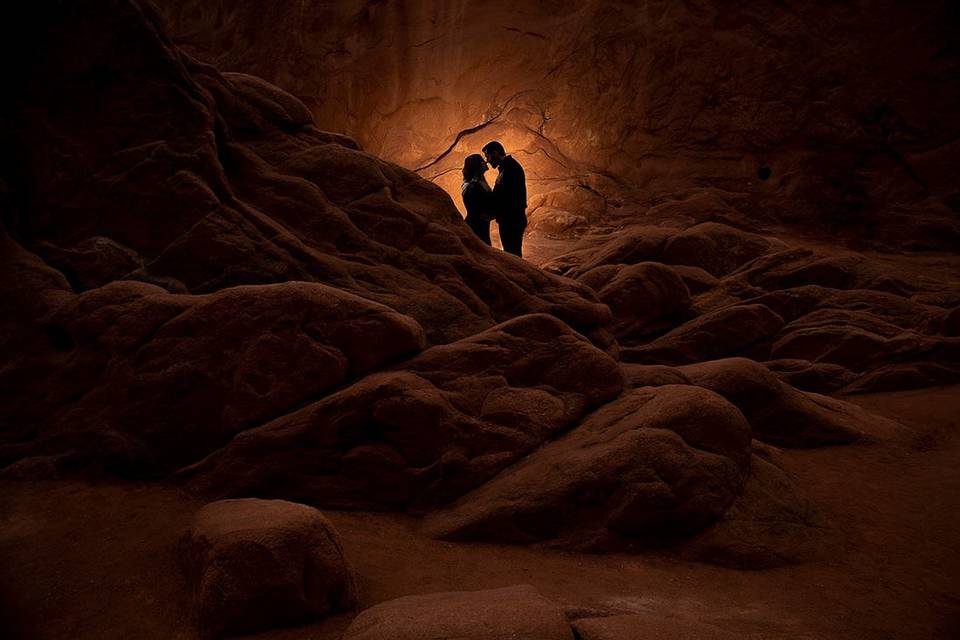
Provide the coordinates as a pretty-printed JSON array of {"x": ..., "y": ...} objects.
[{"x": 474, "y": 166}]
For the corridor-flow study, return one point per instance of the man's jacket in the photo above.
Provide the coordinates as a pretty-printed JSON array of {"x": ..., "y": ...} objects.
[{"x": 510, "y": 192}]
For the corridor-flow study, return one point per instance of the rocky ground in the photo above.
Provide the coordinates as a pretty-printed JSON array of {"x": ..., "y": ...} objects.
[{"x": 256, "y": 379}]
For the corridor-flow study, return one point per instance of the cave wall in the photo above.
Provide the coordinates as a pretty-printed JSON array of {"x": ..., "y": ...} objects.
[{"x": 839, "y": 117}]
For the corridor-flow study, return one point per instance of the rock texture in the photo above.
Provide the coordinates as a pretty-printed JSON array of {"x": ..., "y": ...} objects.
[
  {"x": 454, "y": 417},
  {"x": 655, "y": 464},
  {"x": 826, "y": 321},
  {"x": 256, "y": 564},
  {"x": 834, "y": 116},
  {"x": 627, "y": 627},
  {"x": 495, "y": 614}
]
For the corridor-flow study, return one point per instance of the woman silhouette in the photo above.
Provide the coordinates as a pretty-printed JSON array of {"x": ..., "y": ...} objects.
[{"x": 477, "y": 197}]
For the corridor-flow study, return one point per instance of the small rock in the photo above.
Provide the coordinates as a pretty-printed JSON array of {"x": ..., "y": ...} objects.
[{"x": 258, "y": 564}]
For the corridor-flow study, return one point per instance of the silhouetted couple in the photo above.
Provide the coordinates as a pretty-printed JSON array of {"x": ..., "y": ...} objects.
[{"x": 506, "y": 202}]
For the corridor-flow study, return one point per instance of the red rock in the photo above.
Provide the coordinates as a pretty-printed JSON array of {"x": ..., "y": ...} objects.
[
  {"x": 776, "y": 411},
  {"x": 727, "y": 332},
  {"x": 453, "y": 418},
  {"x": 656, "y": 463},
  {"x": 770, "y": 524},
  {"x": 259, "y": 564},
  {"x": 648, "y": 625},
  {"x": 642, "y": 298},
  {"x": 495, "y": 614}
]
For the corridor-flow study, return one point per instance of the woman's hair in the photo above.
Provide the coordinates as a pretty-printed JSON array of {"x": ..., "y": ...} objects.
[{"x": 473, "y": 166}]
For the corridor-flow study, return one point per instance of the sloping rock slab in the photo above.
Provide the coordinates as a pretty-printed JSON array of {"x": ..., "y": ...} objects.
[{"x": 510, "y": 613}]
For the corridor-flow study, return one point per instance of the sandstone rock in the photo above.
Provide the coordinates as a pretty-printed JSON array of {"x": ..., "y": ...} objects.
[
  {"x": 776, "y": 411},
  {"x": 821, "y": 377},
  {"x": 727, "y": 332},
  {"x": 648, "y": 625},
  {"x": 654, "y": 464},
  {"x": 494, "y": 614},
  {"x": 696, "y": 279},
  {"x": 770, "y": 524},
  {"x": 643, "y": 297},
  {"x": 179, "y": 375},
  {"x": 856, "y": 340},
  {"x": 795, "y": 133},
  {"x": 652, "y": 375},
  {"x": 201, "y": 185},
  {"x": 258, "y": 564},
  {"x": 801, "y": 267},
  {"x": 716, "y": 248},
  {"x": 452, "y": 419}
]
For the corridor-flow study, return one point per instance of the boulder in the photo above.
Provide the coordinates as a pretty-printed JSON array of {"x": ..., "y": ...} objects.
[
  {"x": 179, "y": 375},
  {"x": 452, "y": 418},
  {"x": 259, "y": 564},
  {"x": 722, "y": 333},
  {"x": 495, "y": 614},
  {"x": 655, "y": 464},
  {"x": 776, "y": 412}
]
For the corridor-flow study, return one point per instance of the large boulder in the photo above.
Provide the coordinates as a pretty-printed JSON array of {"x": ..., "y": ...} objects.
[
  {"x": 653, "y": 465},
  {"x": 495, "y": 614},
  {"x": 178, "y": 375},
  {"x": 451, "y": 419},
  {"x": 257, "y": 564}
]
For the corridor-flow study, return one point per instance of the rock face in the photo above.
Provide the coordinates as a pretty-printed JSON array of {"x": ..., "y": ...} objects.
[
  {"x": 256, "y": 564},
  {"x": 496, "y": 614},
  {"x": 813, "y": 114}
]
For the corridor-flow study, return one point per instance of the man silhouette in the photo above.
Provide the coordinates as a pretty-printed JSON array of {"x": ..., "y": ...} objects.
[{"x": 509, "y": 197}]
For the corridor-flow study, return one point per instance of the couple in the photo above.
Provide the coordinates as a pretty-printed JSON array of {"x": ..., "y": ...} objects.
[{"x": 506, "y": 202}]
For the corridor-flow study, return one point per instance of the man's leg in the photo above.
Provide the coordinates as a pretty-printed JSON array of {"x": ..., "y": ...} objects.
[
  {"x": 481, "y": 228},
  {"x": 511, "y": 237}
]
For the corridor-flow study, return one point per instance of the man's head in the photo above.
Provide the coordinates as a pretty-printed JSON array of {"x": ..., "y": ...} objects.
[{"x": 494, "y": 153}]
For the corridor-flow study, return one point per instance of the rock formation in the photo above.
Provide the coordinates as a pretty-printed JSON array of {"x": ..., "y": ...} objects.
[
  {"x": 202, "y": 289},
  {"x": 815, "y": 114}
]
